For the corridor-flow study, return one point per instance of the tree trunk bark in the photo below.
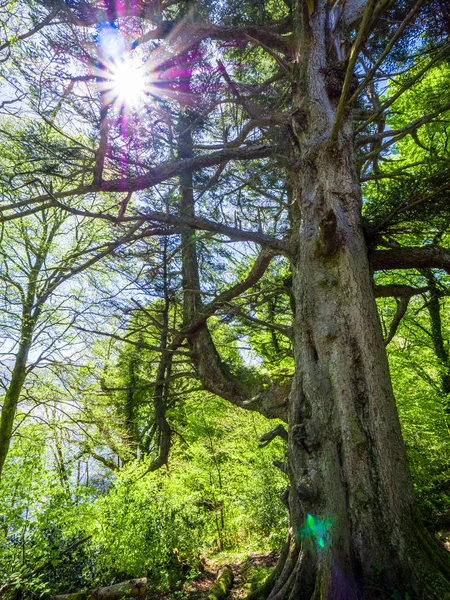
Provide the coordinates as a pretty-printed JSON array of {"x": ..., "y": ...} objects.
[
  {"x": 351, "y": 500},
  {"x": 12, "y": 396}
]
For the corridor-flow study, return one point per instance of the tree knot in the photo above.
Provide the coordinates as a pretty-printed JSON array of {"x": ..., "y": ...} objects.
[{"x": 328, "y": 241}]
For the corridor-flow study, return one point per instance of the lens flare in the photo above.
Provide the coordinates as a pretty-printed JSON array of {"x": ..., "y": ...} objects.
[
  {"x": 110, "y": 41},
  {"x": 318, "y": 530}
]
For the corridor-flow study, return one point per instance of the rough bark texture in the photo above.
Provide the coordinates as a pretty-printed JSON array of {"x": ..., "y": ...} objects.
[
  {"x": 351, "y": 498},
  {"x": 411, "y": 258}
]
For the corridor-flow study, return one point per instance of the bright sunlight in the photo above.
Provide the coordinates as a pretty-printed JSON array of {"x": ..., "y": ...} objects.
[{"x": 128, "y": 83}]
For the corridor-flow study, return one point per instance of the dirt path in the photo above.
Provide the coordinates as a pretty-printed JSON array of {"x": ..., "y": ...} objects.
[{"x": 243, "y": 571}]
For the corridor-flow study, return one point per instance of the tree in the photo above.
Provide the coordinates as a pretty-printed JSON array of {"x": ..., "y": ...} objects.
[
  {"x": 40, "y": 254},
  {"x": 312, "y": 69}
]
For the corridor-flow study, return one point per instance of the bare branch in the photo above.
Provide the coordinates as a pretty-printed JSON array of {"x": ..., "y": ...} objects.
[{"x": 46, "y": 21}]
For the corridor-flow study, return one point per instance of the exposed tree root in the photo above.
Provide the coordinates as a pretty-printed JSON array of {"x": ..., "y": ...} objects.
[
  {"x": 264, "y": 591},
  {"x": 283, "y": 583},
  {"x": 303, "y": 574}
]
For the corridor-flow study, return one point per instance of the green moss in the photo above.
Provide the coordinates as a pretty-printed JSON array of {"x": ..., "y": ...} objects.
[
  {"x": 256, "y": 578},
  {"x": 223, "y": 585}
]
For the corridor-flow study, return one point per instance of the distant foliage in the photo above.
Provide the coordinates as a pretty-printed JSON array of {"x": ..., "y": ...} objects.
[{"x": 218, "y": 494}]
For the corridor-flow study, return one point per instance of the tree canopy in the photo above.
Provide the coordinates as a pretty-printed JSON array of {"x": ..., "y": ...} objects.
[{"x": 214, "y": 215}]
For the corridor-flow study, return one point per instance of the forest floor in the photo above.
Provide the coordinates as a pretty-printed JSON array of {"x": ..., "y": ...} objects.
[{"x": 248, "y": 573}]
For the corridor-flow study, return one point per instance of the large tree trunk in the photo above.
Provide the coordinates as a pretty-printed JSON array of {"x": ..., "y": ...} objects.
[{"x": 351, "y": 500}]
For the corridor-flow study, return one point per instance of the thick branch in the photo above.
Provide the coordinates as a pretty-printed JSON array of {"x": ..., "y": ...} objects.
[
  {"x": 268, "y": 35},
  {"x": 255, "y": 274},
  {"x": 411, "y": 258},
  {"x": 171, "y": 169},
  {"x": 271, "y": 401},
  {"x": 162, "y": 173},
  {"x": 398, "y": 291},
  {"x": 279, "y": 246},
  {"x": 181, "y": 222}
]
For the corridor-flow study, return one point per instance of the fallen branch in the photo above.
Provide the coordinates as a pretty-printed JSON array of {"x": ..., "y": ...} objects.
[
  {"x": 223, "y": 585},
  {"x": 135, "y": 588}
]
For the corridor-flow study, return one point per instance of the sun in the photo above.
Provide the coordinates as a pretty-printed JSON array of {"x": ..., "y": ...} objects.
[{"x": 128, "y": 83}]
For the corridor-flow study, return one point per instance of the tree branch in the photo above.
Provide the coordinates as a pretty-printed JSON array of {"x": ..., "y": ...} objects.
[
  {"x": 398, "y": 291},
  {"x": 402, "y": 294},
  {"x": 411, "y": 258},
  {"x": 406, "y": 86},
  {"x": 402, "y": 306},
  {"x": 256, "y": 272},
  {"x": 163, "y": 172},
  {"x": 399, "y": 133},
  {"x": 369, "y": 76},
  {"x": 278, "y": 431},
  {"x": 360, "y": 36},
  {"x": 39, "y": 26}
]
